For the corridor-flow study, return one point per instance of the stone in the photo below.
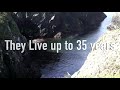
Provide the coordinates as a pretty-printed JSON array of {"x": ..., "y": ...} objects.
[
  {"x": 14, "y": 64},
  {"x": 49, "y": 24},
  {"x": 102, "y": 63},
  {"x": 58, "y": 35},
  {"x": 20, "y": 27}
]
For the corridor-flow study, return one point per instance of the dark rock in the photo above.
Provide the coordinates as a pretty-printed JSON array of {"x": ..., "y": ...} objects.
[
  {"x": 40, "y": 26},
  {"x": 14, "y": 64},
  {"x": 58, "y": 35},
  {"x": 47, "y": 24}
]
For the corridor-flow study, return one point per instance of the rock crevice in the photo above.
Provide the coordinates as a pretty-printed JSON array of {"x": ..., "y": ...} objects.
[{"x": 23, "y": 26}]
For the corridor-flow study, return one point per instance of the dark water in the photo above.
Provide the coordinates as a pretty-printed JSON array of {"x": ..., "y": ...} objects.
[{"x": 71, "y": 61}]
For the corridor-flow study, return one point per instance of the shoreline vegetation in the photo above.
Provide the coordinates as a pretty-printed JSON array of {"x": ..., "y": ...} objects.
[{"x": 104, "y": 63}]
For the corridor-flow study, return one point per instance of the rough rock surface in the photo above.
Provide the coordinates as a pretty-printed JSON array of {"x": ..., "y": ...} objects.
[
  {"x": 104, "y": 62},
  {"x": 47, "y": 24},
  {"x": 13, "y": 64},
  {"x": 22, "y": 26}
]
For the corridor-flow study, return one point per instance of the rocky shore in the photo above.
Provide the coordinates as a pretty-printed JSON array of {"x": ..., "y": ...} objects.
[
  {"x": 22, "y": 26},
  {"x": 104, "y": 63}
]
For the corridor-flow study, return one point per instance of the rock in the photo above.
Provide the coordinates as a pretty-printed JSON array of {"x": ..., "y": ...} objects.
[
  {"x": 38, "y": 41},
  {"x": 9, "y": 30},
  {"x": 13, "y": 64},
  {"x": 111, "y": 27},
  {"x": 67, "y": 75},
  {"x": 115, "y": 23},
  {"x": 48, "y": 26},
  {"x": 116, "y": 20},
  {"x": 35, "y": 25},
  {"x": 103, "y": 62},
  {"x": 58, "y": 35}
]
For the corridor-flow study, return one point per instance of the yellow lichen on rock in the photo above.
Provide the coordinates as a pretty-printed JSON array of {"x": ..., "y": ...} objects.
[
  {"x": 104, "y": 63},
  {"x": 2, "y": 16}
]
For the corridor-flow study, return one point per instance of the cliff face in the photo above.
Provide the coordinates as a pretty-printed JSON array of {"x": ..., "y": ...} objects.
[
  {"x": 48, "y": 24},
  {"x": 9, "y": 60},
  {"x": 12, "y": 63},
  {"x": 104, "y": 62},
  {"x": 20, "y": 27}
]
